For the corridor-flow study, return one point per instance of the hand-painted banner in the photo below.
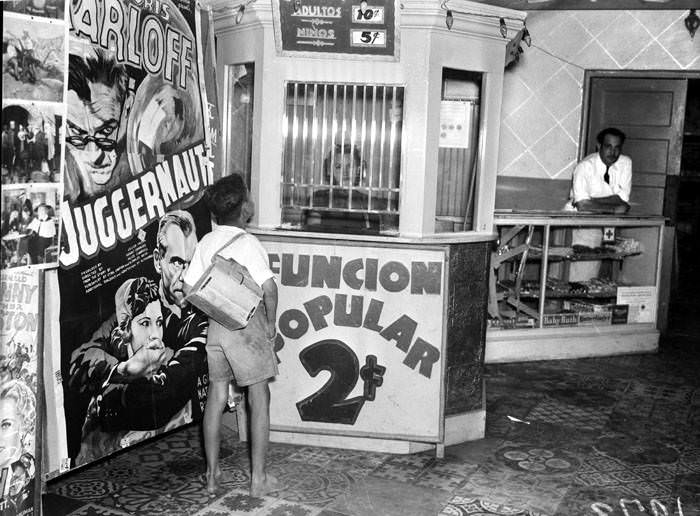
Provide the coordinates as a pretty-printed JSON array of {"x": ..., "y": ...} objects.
[
  {"x": 138, "y": 157},
  {"x": 19, "y": 324},
  {"x": 360, "y": 340}
]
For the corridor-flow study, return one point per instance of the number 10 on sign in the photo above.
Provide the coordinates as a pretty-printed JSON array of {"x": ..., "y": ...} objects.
[{"x": 368, "y": 38}]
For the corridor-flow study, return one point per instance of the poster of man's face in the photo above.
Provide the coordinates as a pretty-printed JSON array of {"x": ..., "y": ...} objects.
[
  {"x": 97, "y": 95},
  {"x": 33, "y": 58}
]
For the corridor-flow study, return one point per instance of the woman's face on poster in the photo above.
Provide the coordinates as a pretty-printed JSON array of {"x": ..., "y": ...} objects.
[
  {"x": 10, "y": 432},
  {"x": 147, "y": 327}
]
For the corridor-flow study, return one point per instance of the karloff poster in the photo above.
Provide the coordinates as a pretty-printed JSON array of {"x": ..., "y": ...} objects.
[
  {"x": 137, "y": 158},
  {"x": 19, "y": 324}
]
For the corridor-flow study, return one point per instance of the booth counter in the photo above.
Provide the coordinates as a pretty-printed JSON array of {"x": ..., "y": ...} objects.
[
  {"x": 381, "y": 341},
  {"x": 369, "y": 137}
]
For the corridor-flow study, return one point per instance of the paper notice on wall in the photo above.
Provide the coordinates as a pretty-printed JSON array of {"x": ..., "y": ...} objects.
[
  {"x": 641, "y": 301},
  {"x": 455, "y": 123}
]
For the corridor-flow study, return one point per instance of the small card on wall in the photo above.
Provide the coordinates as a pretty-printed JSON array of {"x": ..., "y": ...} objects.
[{"x": 455, "y": 123}]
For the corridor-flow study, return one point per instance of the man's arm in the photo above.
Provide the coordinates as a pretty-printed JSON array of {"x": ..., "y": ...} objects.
[
  {"x": 148, "y": 404},
  {"x": 91, "y": 364},
  {"x": 612, "y": 204}
]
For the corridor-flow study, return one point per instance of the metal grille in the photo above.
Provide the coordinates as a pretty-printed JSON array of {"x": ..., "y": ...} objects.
[{"x": 326, "y": 125}]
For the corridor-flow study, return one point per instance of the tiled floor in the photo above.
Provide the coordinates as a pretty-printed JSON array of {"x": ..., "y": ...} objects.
[{"x": 617, "y": 436}]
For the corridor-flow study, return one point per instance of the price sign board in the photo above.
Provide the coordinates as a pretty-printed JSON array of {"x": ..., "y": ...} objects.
[
  {"x": 360, "y": 344},
  {"x": 342, "y": 27}
]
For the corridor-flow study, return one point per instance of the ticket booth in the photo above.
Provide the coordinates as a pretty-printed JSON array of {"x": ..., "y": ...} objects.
[{"x": 368, "y": 134}]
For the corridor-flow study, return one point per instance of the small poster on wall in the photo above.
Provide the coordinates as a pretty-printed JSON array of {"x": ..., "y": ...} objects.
[
  {"x": 641, "y": 301},
  {"x": 455, "y": 122},
  {"x": 19, "y": 351},
  {"x": 347, "y": 28}
]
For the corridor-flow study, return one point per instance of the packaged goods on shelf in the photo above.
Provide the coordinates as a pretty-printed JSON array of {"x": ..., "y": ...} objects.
[
  {"x": 561, "y": 319},
  {"x": 511, "y": 323}
]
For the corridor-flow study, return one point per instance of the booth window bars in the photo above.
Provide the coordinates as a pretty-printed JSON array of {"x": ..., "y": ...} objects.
[{"x": 342, "y": 148}]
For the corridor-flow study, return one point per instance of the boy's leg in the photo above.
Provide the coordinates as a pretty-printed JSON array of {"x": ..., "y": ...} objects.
[
  {"x": 216, "y": 400},
  {"x": 259, "y": 400}
]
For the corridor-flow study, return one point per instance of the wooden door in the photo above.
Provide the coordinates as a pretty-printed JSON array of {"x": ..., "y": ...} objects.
[{"x": 651, "y": 113}]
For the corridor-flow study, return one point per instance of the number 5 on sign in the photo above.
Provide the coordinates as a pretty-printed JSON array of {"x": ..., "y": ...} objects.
[{"x": 368, "y": 38}]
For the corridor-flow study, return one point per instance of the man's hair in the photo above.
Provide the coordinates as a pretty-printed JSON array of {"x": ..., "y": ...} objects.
[
  {"x": 25, "y": 400},
  {"x": 613, "y": 131},
  {"x": 99, "y": 69},
  {"x": 226, "y": 196},
  {"x": 346, "y": 150},
  {"x": 179, "y": 218}
]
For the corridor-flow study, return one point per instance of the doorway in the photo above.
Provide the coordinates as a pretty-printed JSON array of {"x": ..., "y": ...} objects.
[
  {"x": 686, "y": 217},
  {"x": 660, "y": 113}
]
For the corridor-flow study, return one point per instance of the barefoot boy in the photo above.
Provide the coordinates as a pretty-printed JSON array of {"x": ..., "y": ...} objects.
[{"x": 245, "y": 355}]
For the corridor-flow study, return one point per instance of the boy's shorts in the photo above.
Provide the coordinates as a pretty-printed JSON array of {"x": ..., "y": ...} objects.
[{"x": 245, "y": 355}]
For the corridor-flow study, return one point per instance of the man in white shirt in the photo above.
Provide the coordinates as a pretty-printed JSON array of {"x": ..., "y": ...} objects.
[{"x": 603, "y": 180}]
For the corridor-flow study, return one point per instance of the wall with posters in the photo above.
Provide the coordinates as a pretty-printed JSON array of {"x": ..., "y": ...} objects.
[
  {"x": 107, "y": 147},
  {"x": 132, "y": 214}
]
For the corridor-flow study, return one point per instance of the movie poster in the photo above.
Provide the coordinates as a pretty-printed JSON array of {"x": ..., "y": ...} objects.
[
  {"x": 138, "y": 156},
  {"x": 19, "y": 320}
]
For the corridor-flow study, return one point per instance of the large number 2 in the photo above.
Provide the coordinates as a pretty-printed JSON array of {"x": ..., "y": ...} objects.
[{"x": 328, "y": 404}]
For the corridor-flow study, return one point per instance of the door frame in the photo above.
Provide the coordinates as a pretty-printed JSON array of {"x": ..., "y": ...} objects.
[{"x": 588, "y": 77}]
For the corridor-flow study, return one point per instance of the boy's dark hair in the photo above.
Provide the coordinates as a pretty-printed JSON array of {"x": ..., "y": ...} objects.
[
  {"x": 226, "y": 196},
  {"x": 614, "y": 131}
]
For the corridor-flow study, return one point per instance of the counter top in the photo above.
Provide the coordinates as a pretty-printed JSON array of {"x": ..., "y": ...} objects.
[
  {"x": 574, "y": 218},
  {"x": 432, "y": 239}
]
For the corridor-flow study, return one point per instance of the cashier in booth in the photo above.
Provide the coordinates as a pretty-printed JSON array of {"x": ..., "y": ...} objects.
[
  {"x": 345, "y": 205},
  {"x": 602, "y": 180}
]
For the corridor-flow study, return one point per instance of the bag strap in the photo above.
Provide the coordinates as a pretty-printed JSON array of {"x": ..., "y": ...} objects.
[{"x": 236, "y": 237}]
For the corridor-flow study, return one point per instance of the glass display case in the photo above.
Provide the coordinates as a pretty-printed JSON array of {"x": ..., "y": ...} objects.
[{"x": 571, "y": 285}]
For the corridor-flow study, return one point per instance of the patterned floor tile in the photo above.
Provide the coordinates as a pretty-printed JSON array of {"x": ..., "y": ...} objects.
[
  {"x": 437, "y": 480},
  {"x": 404, "y": 468},
  {"x": 86, "y": 489},
  {"x": 500, "y": 484},
  {"x": 285, "y": 508},
  {"x": 600, "y": 470},
  {"x": 557, "y": 412},
  {"x": 236, "y": 503},
  {"x": 318, "y": 487},
  {"x": 464, "y": 506},
  {"x": 92, "y": 509},
  {"x": 595, "y": 500},
  {"x": 376, "y": 496}
]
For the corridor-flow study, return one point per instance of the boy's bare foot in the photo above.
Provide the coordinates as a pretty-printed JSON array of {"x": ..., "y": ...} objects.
[
  {"x": 269, "y": 484},
  {"x": 213, "y": 485}
]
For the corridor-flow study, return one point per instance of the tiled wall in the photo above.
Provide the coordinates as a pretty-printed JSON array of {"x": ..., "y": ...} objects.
[{"x": 542, "y": 94}]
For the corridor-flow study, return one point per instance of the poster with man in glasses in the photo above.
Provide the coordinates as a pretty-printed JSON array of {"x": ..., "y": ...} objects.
[{"x": 138, "y": 156}]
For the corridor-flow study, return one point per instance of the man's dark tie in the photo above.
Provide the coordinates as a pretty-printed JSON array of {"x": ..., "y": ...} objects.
[{"x": 606, "y": 176}]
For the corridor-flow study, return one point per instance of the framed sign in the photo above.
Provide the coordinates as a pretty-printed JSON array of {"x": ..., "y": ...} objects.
[
  {"x": 360, "y": 340},
  {"x": 348, "y": 28}
]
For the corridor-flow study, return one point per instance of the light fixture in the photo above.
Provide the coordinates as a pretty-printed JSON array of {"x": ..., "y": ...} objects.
[
  {"x": 692, "y": 23},
  {"x": 239, "y": 14},
  {"x": 449, "y": 19},
  {"x": 297, "y": 5},
  {"x": 503, "y": 28}
]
